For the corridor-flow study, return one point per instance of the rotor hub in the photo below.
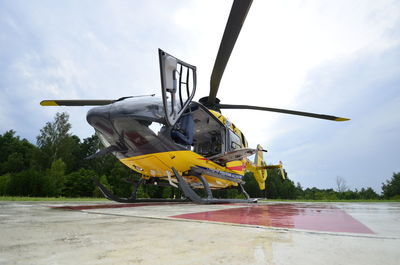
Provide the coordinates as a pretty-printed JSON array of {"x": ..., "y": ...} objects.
[{"x": 214, "y": 106}]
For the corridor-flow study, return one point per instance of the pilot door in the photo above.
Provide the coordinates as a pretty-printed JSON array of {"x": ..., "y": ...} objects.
[{"x": 178, "y": 85}]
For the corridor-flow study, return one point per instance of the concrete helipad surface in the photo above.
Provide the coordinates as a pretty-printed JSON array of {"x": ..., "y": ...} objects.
[{"x": 183, "y": 233}]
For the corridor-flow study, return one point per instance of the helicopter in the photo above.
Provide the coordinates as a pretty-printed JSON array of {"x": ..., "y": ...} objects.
[{"x": 175, "y": 141}]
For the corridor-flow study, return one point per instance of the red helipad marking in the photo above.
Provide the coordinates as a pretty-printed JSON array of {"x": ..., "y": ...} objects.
[
  {"x": 105, "y": 206},
  {"x": 317, "y": 218}
]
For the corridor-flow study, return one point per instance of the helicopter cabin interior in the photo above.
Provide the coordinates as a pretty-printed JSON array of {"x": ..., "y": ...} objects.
[{"x": 202, "y": 132}]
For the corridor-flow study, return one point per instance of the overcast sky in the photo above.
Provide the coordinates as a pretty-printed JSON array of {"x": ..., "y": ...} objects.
[{"x": 331, "y": 57}]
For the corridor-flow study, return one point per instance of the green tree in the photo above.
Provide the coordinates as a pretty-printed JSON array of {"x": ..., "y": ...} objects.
[
  {"x": 28, "y": 183},
  {"x": 309, "y": 193},
  {"x": 277, "y": 187},
  {"x": 79, "y": 183},
  {"x": 14, "y": 163},
  {"x": 121, "y": 178},
  {"x": 251, "y": 186},
  {"x": 234, "y": 193},
  {"x": 70, "y": 153},
  {"x": 350, "y": 195},
  {"x": 53, "y": 139},
  {"x": 391, "y": 188},
  {"x": 167, "y": 192},
  {"x": 287, "y": 190},
  {"x": 56, "y": 177},
  {"x": 15, "y": 154},
  {"x": 331, "y": 195},
  {"x": 299, "y": 191},
  {"x": 4, "y": 184},
  {"x": 368, "y": 194},
  {"x": 141, "y": 193}
]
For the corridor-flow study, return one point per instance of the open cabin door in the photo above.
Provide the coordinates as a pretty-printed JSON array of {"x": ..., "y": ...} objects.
[{"x": 178, "y": 85}]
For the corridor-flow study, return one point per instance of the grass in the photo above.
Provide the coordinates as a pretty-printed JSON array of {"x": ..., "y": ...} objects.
[{"x": 17, "y": 198}]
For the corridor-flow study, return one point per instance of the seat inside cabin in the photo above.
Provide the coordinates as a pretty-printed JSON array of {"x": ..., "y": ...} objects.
[{"x": 201, "y": 131}]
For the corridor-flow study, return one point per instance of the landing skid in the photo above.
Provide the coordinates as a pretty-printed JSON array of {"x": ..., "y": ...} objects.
[
  {"x": 132, "y": 199},
  {"x": 183, "y": 185}
]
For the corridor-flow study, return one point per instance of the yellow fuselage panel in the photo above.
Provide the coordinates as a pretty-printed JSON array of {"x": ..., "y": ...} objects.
[{"x": 160, "y": 164}]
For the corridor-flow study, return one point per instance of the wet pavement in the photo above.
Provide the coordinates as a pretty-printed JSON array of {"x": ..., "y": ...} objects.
[{"x": 184, "y": 233}]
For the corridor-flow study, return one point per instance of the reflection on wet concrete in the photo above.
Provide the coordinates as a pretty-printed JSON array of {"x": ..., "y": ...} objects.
[{"x": 298, "y": 216}]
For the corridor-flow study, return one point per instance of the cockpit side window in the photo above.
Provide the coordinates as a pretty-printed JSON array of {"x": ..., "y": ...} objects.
[
  {"x": 208, "y": 134},
  {"x": 235, "y": 140},
  {"x": 244, "y": 141}
]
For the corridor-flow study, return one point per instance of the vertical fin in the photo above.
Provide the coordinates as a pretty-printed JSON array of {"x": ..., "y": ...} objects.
[{"x": 260, "y": 174}]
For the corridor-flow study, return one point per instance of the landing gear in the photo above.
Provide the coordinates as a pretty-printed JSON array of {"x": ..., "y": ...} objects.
[
  {"x": 132, "y": 199},
  {"x": 183, "y": 185}
]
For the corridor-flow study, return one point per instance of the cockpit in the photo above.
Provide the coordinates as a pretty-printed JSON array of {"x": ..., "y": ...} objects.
[{"x": 202, "y": 132}]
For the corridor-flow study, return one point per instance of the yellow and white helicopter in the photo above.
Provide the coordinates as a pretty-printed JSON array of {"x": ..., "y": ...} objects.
[{"x": 179, "y": 142}]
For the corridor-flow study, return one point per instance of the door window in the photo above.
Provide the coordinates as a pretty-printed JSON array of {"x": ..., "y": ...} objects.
[{"x": 178, "y": 85}]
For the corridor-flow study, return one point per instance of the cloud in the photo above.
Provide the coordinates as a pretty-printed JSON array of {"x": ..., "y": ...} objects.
[{"x": 363, "y": 150}]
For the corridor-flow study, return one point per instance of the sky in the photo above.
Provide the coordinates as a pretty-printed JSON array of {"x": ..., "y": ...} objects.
[{"x": 331, "y": 57}]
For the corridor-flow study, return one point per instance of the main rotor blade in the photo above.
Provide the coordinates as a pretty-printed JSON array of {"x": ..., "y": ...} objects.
[
  {"x": 286, "y": 111},
  {"x": 85, "y": 102},
  {"x": 77, "y": 102},
  {"x": 235, "y": 22}
]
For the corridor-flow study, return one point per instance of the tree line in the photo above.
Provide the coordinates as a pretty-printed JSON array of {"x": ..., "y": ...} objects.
[{"x": 56, "y": 166}]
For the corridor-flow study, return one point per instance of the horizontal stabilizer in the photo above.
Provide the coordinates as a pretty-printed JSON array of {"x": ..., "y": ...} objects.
[{"x": 280, "y": 166}]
